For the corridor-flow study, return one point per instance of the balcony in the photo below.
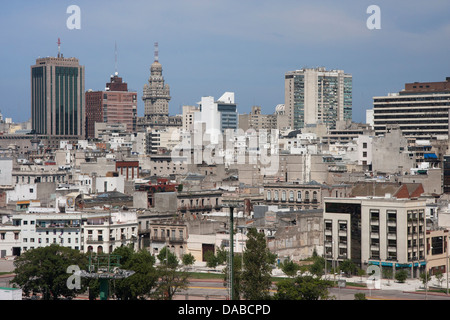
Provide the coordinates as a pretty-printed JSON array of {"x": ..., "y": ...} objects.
[
  {"x": 168, "y": 239},
  {"x": 91, "y": 240}
]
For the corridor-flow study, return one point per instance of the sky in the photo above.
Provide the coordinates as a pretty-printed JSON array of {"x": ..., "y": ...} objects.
[{"x": 208, "y": 47}]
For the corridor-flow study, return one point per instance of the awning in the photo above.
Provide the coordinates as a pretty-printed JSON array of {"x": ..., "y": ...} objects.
[{"x": 430, "y": 156}]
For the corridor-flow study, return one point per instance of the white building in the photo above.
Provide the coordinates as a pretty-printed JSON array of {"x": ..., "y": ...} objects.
[{"x": 104, "y": 232}]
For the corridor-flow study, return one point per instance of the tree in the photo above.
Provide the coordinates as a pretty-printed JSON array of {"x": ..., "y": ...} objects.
[
  {"x": 388, "y": 273},
  {"x": 303, "y": 288},
  {"x": 401, "y": 276},
  {"x": 170, "y": 280},
  {"x": 425, "y": 277},
  {"x": 348, "y": 267},
  {"x": 237, "y": 276},
  {"x": 141, "y": 284},
  {"x": 318, "y": 266},
  {"x": 188, "y": 259},
  {"x": 44, "y": 270},
  {"x": 211, "y": 260},
  {"x": 439, "y": 277},
  {"x": 360, "y": 296},
  {"x": 258, "y": 262},
  {"x": 289, "y": 267}
]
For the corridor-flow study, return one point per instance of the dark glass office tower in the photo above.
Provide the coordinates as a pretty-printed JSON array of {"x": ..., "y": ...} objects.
[{"x": 57, "y": 97}]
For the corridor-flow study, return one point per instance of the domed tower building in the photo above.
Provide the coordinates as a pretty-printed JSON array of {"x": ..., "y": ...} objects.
[{"x": 156, "y": 95}]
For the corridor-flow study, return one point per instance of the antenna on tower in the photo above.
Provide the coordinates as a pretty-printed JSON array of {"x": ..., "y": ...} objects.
[
  {"x": 115, "y": 52},
  {"x": 156, "y": 52},
  {"x": 59, "y": 48}
]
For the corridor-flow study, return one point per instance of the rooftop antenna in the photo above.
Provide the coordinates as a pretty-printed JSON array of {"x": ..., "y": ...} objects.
[
  {"x": 59, "y": 48},
  {"x": 115, "y": 52},
  {"x": 156, "y": 52}
]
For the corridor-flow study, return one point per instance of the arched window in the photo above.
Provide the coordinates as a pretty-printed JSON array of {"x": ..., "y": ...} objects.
[
  {"x": 283, "y": 195},
  {"x": 291, "y": 196},
  {"x": 275, "y": 197},
  {"x": 299, "y": 196},
  {"x": 269, "y": 195}
]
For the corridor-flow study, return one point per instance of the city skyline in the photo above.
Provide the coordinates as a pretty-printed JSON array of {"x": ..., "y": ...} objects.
[{"x": 207, "y": 48}]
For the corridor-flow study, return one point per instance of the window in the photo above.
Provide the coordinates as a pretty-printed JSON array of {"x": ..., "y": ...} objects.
[
  {"x": 283, "y": 195},
  {"x": 299, "y": 196},
  {"x": 2, "y": 236},
  {"x": 269, "y": 195},
  {"x": 291, "y": 195}
]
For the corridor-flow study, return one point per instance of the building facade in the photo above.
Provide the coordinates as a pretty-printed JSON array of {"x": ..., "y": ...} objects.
[
  {"x": 387, "y": 232},
  {"x": 57, "y": 97},
  {"x": 421, "y": 110},
  {"x": 318, "y": 96},
  {"x": 115, "y": 105},
  {"x": 156, "y": 95}
]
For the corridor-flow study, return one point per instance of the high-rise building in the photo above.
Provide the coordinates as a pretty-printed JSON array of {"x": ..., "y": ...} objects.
[
  {"x": 421, "y": 110},
  {"x": 156, "y": 94},
  {"x": 113, "y": 105},
  {"x": 318, "y": 96},
  {"x": 57, "y": 97},
  {"x": 220, "y": 115}
]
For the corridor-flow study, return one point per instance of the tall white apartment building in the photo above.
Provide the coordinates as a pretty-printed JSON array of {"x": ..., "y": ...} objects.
[{"x": 318, "y": 96}]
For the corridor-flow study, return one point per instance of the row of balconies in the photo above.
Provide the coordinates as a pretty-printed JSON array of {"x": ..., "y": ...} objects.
[
  {"x": 199, "y": 207},
  {"x": 168, "y": 239},
  {"x": 293, "y": 201}
]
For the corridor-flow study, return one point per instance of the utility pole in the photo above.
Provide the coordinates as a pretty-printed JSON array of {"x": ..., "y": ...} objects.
[{"x": 231, "y": 254}]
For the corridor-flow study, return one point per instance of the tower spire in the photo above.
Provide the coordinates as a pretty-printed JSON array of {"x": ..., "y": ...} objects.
[
  {"x": 59, "y": 48},
  {"x": 156, "y": 52}
]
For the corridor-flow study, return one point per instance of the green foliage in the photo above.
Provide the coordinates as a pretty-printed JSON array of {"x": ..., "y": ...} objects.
[
  {"x": 318, "y": 266},
  {"x": 188, "y": 259},
  {"x": 439, "y": 276},
  {"x": 388, "y": 273},
  {"x": 166, "y": 257},
  {"x": 303, "y": 288},
  {"x": 290, "y": 268},
  {"x": 211, "y": 260},
  {"x": 237, "y": 276},
  {"x": 360, "y": 296},
  {"x": 170, "y": 280},
  {"x": 44, "y": 270},
  {"x": 401, "y": 276},
  {"x": 425, "y": 278},
  {"x": 258, "y": 262},
  {"x": 141, "y": 284},
  {"x": 348, "y": 267}
]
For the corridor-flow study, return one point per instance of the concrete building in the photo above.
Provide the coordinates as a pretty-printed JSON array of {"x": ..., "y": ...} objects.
[
  {"x": 57, "y": 97},
  {"x": 318, "y": 96},
  {"x": 258, "y": 121},
  {"x": 104, "y": 232},
  {"x": 380, "y": 231},
  {"x": 114, "y": 105},
  {"x": 420, "y": 110},
  {"x": 302, "y": 196},
  {"x": 156, "y": 95}
]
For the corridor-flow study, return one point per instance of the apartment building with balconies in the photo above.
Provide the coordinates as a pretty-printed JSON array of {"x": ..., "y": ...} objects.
[
  {"x": 302, "y": 196},
  {"x": 385, "y": 231}
]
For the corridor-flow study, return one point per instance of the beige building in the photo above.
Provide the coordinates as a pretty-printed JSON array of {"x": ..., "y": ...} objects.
[
  {"x": 380, "y": 231},
  {"x": 317, "y": 96},
  {"x": 258, "y": 121},
  {"x": 302, "y": 196}
]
